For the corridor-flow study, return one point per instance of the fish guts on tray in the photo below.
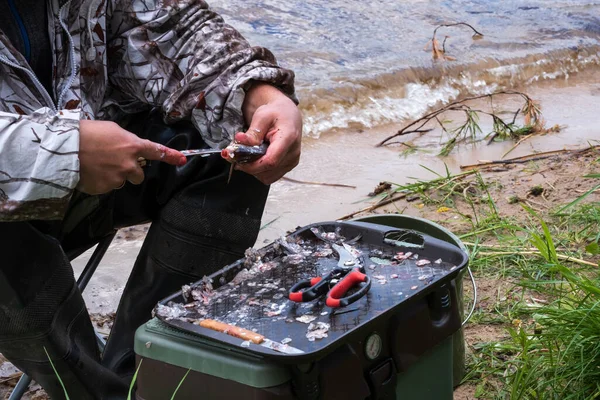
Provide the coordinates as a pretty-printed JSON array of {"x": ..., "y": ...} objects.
[{"x": 255, "y": 293}]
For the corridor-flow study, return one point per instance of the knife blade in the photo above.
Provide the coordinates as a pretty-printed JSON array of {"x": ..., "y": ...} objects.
[
  {"x": 200, "y": 152},
  {"x": 247, "y": 335}
]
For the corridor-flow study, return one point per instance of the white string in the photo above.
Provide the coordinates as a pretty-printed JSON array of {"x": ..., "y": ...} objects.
[
  {"x": 474, "y": 297},
  {"x": 90, "y": 54}
]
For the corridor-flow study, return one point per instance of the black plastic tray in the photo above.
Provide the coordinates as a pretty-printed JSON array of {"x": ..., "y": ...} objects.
[{"x": 384, "y": 300}]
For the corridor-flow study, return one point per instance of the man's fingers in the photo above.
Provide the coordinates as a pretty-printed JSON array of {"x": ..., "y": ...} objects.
[
  {"x": 260, "y": 125},
  {"x": 276, "y": 154},
  {"x": 155, "y": 151},
  {"x": 136, "y": 175},
  {"x": 272, "y": 176}
]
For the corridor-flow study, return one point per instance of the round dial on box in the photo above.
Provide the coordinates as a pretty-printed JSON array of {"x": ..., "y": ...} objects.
[{"x": 373, "y": 346}]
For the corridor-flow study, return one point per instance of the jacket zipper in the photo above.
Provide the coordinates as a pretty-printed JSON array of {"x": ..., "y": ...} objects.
[
  {"x": 53, "y": 106},
  {"x": 71, "y": 55},
  {"x": 35, "y": 80}
]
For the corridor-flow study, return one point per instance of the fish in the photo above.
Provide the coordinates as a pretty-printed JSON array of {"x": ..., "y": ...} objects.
[{"x": 235, "y": 152}]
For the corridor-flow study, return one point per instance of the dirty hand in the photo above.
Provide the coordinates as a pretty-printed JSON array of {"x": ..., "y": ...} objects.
[
  {"x": 108, "y": 156},
  {"x": 273, "y": 117}
]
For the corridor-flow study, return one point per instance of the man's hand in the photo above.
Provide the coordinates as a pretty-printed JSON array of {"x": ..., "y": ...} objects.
[
  {"x": 108, "y": 156},
  {"x": 273, "y": 117}
]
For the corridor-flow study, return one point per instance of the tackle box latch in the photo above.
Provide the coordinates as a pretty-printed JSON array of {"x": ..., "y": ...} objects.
[
  {"x": 305, "y": 381},
  {"x": 382, "y": 380}
]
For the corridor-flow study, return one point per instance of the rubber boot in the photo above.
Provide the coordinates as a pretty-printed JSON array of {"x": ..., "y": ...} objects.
[
  {"x": 43, "y": 318},
  {"x": 205, "y": 227}
]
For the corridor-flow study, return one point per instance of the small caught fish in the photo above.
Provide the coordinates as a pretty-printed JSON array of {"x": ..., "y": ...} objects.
[
  {"x": 235, "y": 153},
  {"x": 240, "y": 153}
]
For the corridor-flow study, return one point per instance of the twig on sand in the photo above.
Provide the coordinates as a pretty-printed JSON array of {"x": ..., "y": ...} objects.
[
  {"x": 529, "y": 157},
  {"x": 269, "y": 223},
  {"x": 524, "y": 138},
  {"x": 374, "y": 206},
  {"x": 403, "y": 192},
  {"x": 285, "y": 178},
  {"x": 537, "y": 253},
  {"x": 508, "y": 247}
]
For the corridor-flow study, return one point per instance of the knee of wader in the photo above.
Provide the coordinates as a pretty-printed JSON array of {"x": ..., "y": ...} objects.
[
  {"x": 55, "y": 325},
  {"x": 31, "y": 313}
]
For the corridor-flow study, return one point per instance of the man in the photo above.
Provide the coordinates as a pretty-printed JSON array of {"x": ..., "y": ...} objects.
[{"x": 173, "y": 73}]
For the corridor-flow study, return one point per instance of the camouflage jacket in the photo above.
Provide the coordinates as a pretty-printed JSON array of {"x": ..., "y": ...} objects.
[{"x": 112, "y": 57}]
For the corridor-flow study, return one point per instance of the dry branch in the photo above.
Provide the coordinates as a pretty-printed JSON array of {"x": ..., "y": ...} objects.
[
  {"x": 374, "y": 206},
  {"x": 537, "y": 253},
  {"x": 285, "y": 178},
  {"x": 528, "y": 158},
  {"x": 533, "y": 122},
  {"x": 440, "y": 52}
]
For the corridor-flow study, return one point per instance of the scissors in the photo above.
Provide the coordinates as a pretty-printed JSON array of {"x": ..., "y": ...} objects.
[{"x": 348, "y": 274}]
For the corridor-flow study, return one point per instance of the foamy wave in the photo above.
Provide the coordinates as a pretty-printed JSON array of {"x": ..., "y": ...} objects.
[
  {"x": 419, "y": 98},
  {"x": 382, "y": 104}
]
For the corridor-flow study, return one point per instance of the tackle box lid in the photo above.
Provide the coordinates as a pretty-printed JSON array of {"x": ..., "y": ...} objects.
[{"x": 395, "y": 286}]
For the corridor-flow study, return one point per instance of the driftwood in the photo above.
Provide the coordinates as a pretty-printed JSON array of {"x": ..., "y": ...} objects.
[
  {"x": 393, "y": 197},
  {"x": 529, "y": 158},
  {"x": 375, "y": 206},
  {"x": 285, "y": 178}
]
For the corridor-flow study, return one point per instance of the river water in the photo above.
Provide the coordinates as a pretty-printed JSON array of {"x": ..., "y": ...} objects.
[{"x": 362, "y": 64}]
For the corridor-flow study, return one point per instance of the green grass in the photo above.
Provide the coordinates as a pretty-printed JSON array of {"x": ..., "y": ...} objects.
[
  {"x": 56, "y": 373},
  {"x": 547, "y": 306},
  {"x": 554, "y": 353},
  {"x": 133, "y": 380},
  {"x": 131, "y": 385}
]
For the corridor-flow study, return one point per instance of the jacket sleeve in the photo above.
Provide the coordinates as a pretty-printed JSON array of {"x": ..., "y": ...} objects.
[
  {"x": 181, "y": 56},
  {"x": 39, "y": 164}
]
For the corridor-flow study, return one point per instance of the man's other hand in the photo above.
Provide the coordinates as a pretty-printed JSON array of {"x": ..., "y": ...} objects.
[
  {"x": 276, "y": 119},
  {"x": 108, "y": 156}
]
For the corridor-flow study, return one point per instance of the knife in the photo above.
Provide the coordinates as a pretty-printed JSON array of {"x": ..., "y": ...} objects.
[
  {"x": 235, "y": 152},
  {"x": 248, "y": 335}
]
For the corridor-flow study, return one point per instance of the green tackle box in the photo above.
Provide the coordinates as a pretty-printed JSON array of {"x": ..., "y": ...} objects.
[
  {"x": 220, "y": 373},
  {"x": 439, "y": 232},
  {"x": 422, "y": 361}
]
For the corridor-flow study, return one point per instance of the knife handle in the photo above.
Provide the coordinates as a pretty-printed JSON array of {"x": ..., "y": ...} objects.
[{"x": 231, "y": 330}]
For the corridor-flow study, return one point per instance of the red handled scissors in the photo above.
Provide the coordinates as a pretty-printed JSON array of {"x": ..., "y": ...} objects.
[{"x": 349, "y": 273}]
